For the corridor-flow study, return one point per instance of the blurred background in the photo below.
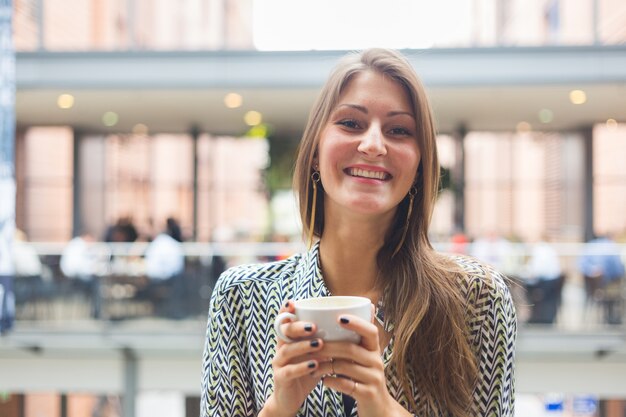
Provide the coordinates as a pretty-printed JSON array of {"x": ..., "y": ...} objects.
[{"x": 147, "y": 145}]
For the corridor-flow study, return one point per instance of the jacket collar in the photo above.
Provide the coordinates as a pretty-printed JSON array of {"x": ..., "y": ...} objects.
[{"x": 308, "y": 275}]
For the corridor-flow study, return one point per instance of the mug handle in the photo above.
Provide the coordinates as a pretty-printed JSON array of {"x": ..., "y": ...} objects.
[{"x": 280, "y": 319}]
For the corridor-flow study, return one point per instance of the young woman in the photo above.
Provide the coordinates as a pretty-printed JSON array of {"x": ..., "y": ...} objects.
[{"x": 442, "y": 341}]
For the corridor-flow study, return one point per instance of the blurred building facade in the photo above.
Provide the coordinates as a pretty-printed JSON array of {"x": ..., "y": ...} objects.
[{"x": 525, "y": 181}]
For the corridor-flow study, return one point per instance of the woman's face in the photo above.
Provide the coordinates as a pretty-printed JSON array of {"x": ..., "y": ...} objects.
[{"x": 368, "y": 153}]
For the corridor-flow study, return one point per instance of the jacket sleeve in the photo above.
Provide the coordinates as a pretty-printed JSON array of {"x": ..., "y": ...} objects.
[
  {"x": 226, "y": 388},
  {"x": 494, "y": 394}
]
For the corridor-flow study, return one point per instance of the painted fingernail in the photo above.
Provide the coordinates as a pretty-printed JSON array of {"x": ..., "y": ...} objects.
[
  {"x": 344, "y": 320},
  {"x": 287, "y": 304},
  {"x": 311, "y": 365},
  {"x": 315, "y": 343},
  {"x": 308, "y": 327}
]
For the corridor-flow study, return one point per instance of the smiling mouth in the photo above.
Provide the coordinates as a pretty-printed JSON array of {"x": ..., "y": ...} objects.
[{"x": 363, "y": 173}]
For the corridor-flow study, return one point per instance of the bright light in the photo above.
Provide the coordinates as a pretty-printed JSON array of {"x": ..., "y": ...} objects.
[
  {"x": 253, "y": 118},
  {"x": 546, "y": 115},
  {"x": 358, "y": 24},
  {"x": 140, "y": 129},
  {"x": 65, "y": 101},
  {"x": 110, "y": 118},
  {"x": 577, "y": 96},
  {"x": 233, "y": 100},
  {"x": 611, "y": 124},
  {"x": 523, "y": 127}
]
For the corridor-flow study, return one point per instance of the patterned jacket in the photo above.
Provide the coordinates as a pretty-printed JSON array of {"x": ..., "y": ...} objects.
[{"x": 240, "y": 342}]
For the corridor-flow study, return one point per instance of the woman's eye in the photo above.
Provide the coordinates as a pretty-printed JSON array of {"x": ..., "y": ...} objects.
[
  {"x": 401, "y": 131},
  {"x": 349, "y": 123}
]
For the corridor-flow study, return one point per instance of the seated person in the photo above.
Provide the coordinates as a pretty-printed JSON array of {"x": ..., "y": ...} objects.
[
  {"x": 78, "y": 263},
  {"x": 165, "y": 263}
]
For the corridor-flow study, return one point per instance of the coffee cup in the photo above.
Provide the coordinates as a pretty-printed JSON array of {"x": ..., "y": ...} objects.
[{"x": 325, "y": 313}]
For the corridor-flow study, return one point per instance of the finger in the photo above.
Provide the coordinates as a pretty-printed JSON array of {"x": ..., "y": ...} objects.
[
  {"x": 288, "y": 306},
  {"x": 344, "y": 385},
  {"x": 352, "y": 353},
  {"x": 298, "y": 330},
  {"x": 367, "y": 330},
  {"x": 326, "y": 364},
  {"x": 297, "y": 370},
  {"x": 373, "y": 314},
  {"x": 352, "y": 370},
  {"x": 310, "y": 356},
  {"x": 302, "y": 350},
  {"x": 309, "y": 330}
]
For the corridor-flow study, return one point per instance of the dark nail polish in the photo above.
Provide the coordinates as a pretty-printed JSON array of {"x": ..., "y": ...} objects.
[
  {"x": 287, "y": 304},
  {"x": 308, "y": 327},
  {"x": 311, "y": 365},
  {"x": 344, "y": 320},
  {"x": 315, "y": 343}
]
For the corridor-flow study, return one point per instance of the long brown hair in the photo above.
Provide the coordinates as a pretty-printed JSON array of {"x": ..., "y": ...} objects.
[{"x": 421, "y": 290}]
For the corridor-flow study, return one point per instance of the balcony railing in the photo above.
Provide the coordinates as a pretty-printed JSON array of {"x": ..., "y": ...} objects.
[{"x": 119, "y": 289}]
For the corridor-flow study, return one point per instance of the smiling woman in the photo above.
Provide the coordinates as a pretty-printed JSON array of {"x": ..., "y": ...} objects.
[
  {"x": 441, "y": 342},
  {"x": 368, "y": 153}
]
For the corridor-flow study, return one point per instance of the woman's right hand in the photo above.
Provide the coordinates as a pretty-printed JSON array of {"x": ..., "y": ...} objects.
[{"x": 295, "y": 366}]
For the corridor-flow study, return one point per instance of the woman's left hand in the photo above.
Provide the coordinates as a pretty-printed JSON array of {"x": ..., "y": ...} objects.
[{"x": 361, "y": 369}]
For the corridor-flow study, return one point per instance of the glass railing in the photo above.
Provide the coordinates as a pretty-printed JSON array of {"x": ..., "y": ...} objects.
[{"x": 119, "y": 285}]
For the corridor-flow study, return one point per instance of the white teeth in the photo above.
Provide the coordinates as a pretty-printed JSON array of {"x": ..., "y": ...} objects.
[{"x": 357, "y": 172}]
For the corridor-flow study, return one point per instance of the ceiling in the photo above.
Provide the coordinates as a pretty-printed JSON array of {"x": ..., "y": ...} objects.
[{"x": 482, "y": 90}]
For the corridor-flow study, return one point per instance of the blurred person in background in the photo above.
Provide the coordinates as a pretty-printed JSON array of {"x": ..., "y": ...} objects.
[
  {"x": 79, "y": 263},
  {"x": 603, "y": 271},
  {"x": 165, "y": 263},
  {"x": 25, "y": 257},
  {"x": 460, "y": 243},
  {"x": 505, "y": 255},
  {"x": 544, "y": 282},
  {"x": 122, "y": 231},
  {"x": 173, "y": 229},
  {"x": 491, "y": 248},
  {"x": 442, "y": 337},
  {"x": 33, "y": 280},
  {"x": 7, "y": 273},
  {"x": 164, "y": 256}
]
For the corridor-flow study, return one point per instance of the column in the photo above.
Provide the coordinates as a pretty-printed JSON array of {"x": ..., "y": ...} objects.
[
  {"x": 458, "y": 178},
  {"x": 195, "y": 133},
  {"x": 587, "y": 135},
  {"x": 77, "y": 224},
  {"x": 7, "y": 165},
  {"x": 129, "y": 397}
]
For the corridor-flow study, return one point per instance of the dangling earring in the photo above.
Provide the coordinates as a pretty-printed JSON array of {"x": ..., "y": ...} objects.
[
  {"x": 315, "y": 178},
  {"x": 412, "y": 193}
]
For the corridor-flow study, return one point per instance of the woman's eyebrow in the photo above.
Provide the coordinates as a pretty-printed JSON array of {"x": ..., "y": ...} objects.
[
  {"x": 364, "y": 110},
  {"x": 354, "y": 106}
]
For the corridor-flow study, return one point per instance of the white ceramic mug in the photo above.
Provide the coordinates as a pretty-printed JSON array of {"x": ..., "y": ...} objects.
[{"x": 325, "y": 313}]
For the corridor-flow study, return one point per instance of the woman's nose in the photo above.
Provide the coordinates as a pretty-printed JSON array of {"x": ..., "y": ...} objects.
[{"x": 373, "y": 142}]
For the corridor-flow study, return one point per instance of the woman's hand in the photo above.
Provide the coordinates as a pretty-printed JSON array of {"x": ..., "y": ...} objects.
[
  {"x": 361, "y": 369},
  {"x": 295, "y": 366}
]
